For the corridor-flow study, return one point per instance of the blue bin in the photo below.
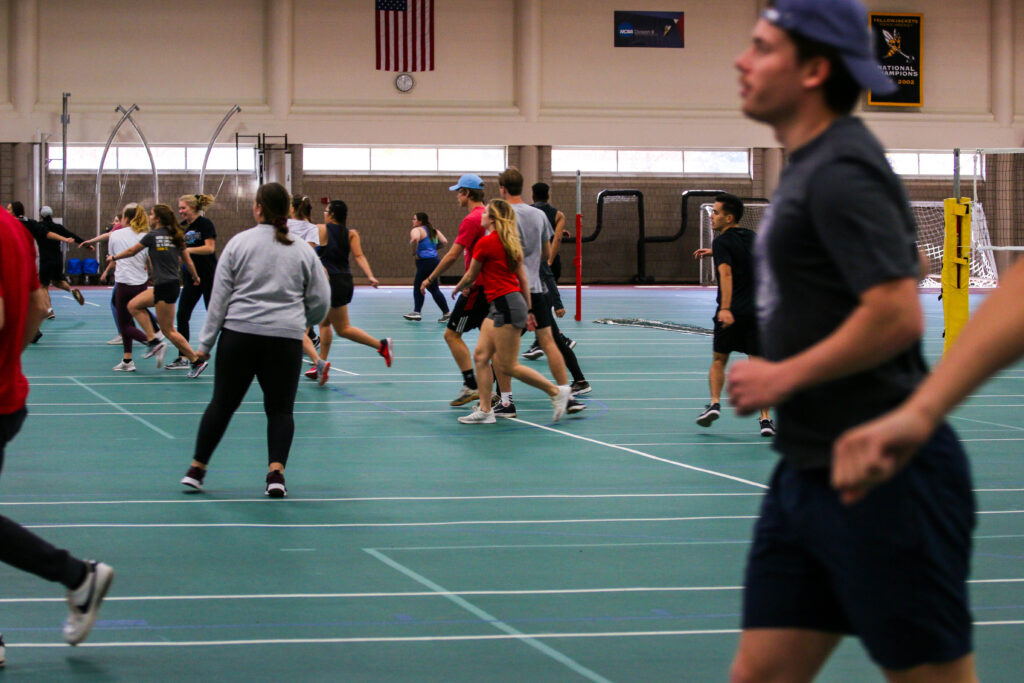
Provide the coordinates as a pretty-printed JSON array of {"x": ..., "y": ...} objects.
[
  {"x": 74, "y": 266},
  {"x": 90, "y": 266}
]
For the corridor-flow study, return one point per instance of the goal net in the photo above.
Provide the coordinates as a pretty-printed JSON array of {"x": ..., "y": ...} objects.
[{"x": 931, "y": 226}]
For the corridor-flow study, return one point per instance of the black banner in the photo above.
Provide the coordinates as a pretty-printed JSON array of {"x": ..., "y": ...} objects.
[
  {"x": 648, "y": 29},
  {"x": 897, "y": 39}
]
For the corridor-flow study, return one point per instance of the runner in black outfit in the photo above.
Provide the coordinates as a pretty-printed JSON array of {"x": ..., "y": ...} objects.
[{"x": 201, "y": 243}]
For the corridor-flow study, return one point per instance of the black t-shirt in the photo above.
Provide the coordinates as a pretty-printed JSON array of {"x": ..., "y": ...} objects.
[
  {"x": 163, "y": 254},
  {"x": 196, "y": 234},
  {"x": 839, "y": 224},
  {"x": 735, "y": 247}
]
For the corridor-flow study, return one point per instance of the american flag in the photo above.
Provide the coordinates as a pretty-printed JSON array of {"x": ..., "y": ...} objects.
[{"x": 405, "y": 35}]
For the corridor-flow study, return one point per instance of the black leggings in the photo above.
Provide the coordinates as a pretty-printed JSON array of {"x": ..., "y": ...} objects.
[
  {"x": 276, "y": 364},
  {"x": 21, "y": 548},
  {"x": 424, "y": 267},
  {"x": 190, "y": 294}
]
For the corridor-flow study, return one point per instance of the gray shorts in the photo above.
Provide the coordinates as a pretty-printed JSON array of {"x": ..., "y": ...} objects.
[{"x": 509, "y": 309}]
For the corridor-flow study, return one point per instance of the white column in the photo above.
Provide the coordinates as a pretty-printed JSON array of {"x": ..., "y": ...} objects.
[
  {"x": 529, "y": 166},
  {"x": 24, "y": 67},
  {"x": 772, "y": 170},
  {"x": 1001, "y": 71},
  {"x": 278, "y": 64},
  {"x": 528, "y": 58}
]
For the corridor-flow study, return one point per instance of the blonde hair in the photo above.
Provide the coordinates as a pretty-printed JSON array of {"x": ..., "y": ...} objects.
[
  {"x": 139, "y": 221},
  {"x": 503, "y": 217},
  {"x": 198, "y": 202}
]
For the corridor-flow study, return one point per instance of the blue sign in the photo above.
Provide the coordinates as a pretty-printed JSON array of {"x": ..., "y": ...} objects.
[{"x": 648, "y": 29}]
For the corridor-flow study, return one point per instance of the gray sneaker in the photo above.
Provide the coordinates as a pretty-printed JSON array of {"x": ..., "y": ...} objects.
[
  {"x": 159, "y": 347},
  {"x": 444, "y": 317},
  {"x": 465, "y": 396},
  {"x": 197, "y": 369},
  {"x": 179, "y": 363}
]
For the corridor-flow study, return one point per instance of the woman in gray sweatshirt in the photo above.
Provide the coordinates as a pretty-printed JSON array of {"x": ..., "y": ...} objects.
[{"x": 268, "y": 289}]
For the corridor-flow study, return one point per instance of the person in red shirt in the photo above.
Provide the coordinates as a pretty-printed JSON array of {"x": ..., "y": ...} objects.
[
  {"x": 22, "y": 309},
  {"x": 497, "y": 269},
  {"x": 470, "y": 308}
]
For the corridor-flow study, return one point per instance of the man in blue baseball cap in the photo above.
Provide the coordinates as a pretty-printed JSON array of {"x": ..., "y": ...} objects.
[
  {"x": 840, "y": 325},
  {"x": 470, "y": 309}
]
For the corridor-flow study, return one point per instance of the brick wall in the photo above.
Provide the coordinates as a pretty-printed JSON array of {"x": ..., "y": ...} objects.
[{"x": 6, "y": 172}]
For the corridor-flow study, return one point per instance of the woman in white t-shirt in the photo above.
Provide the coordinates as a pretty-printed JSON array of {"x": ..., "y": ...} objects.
[
  {"x": 130, "y": 276},
  {"x": 299, "y": 224}
]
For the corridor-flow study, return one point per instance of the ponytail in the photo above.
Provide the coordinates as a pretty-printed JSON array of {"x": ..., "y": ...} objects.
[
  {"x": 281, "y": 230},
  {"x": 198, "y": 202},
  {"x": 274, "y": 202},
  {"x": 424, "y": 220},
  {"x": 165, "y": 217}
]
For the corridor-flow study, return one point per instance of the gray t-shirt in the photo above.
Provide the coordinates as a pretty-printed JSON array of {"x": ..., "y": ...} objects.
[
  {"x": 534, "y": 230},
  {"x": 163, "y": 254}
]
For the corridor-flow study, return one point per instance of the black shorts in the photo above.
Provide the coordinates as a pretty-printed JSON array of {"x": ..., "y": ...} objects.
[
  {"x": 341, "y": 289},
  {"x": 166, "y": 292},
  {"x": 741, "y": 336},
  {"x": 469, "y": 311},
  {"x": 509, "y": 309},
  {"x": 51, "y": 272},
  {"x": 541, "y": 309},
  {"x": 891, "y": 569}
]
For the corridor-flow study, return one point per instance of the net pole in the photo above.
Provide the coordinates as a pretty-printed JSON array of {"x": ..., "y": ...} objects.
[
  {"x": 956, "y": 173},
  {"x": 578, "y": 261},
  {"x": 956, "y": 267}
]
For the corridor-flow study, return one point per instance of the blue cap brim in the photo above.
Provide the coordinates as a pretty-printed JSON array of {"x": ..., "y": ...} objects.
[{"x": 869, "y": 74}]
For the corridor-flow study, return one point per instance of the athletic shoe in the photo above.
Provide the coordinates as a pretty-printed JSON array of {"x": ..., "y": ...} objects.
[
  {"x": 560, "y": 402},
  {"x": 581, "y": 387},
  {"x": 712, "y": 411},
  {"x": 152, "y": 350},
  {"x": 413, "y": 316},
  {"x": 316, "y": 343},
  {"x": 533, "y": 353},
  {"x": 50, "y": 315},
  {"x": 78, "y": 297},
  {"x": 194, "y": 478},
  {"x": 179, "y": 363},
  {"x": 387, "y": 349},
  {"x": 311, "y": 373},
  {"x": 125, "y": 366},
  {"x": 35, "y": 339},
  {"x": 478, "y": 417},
  {"x": 444, "y": 317},
  {"x": 197, "y": 369},
  {"x": 116, "y": 341},
  {"x": 3, "y": 652},
  {"x": 571, "y": 343},
  {"x": 275, "y": 485},
  {"x": 575, "y": 406},
  {"x": 84, "y": 602},
  {"x": 502, "y": 410},
  {"x": 767, "y": 428},
  {"x": 465, "y": 396},
  {"x": 161, "y": 353},
  {"x": 323, "y": 369}
]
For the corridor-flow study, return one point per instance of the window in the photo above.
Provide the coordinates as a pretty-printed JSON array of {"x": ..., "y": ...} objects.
[
  {"x": 168, "y": 159},
  {"x": 654, "y": 161},
  {"x": 403, "y": 159},
  {"x": 931, "y": 164}
]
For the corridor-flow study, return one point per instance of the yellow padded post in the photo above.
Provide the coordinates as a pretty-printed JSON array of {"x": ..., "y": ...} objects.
[{"x": 956, "y": 267}]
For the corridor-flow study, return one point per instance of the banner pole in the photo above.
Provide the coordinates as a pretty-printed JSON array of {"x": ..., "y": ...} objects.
[{"x": 578, "y": 262}]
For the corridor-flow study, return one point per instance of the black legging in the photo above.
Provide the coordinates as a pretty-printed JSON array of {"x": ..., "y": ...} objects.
[
  {"x": 424, "y": 267},
  {"x": 190, "y": 294},
  {"x": 21, "y": 548},
  {"x": 276, "y": 364}
]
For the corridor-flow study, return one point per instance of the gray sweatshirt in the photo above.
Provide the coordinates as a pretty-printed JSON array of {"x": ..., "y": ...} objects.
[{"x": 266, "y": 288}]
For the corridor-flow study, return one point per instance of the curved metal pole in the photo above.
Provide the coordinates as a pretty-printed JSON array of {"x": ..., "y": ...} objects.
[
  {"x": 99, "y": 171},
  {"x": 152, "y": 162},
  {"x": 209, "y": 148}
]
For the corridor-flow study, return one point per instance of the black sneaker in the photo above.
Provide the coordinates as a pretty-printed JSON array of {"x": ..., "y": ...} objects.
[
  {"x": 194, "y": 478},
  {"x": 575, "y": 406},
  {"x": 501, "y": 410},
  {"x": 275, "y": 485},
  {"x": 712, "y": 412},
  {"x": 84, "y": 602},
  {"x": 35, "y": 339},
  {"x": 3, "y": 652},
  {"x": 533, "y": 353},
  {"x": 767, "y": 428},
  {"x": 581, "y": 387}
]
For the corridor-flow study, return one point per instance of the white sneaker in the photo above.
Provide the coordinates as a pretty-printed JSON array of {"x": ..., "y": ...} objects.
[
  {"x": 478, "y": 417},
  {"x": 116, "y": 341},
  {"x": 413, "y": 316},
  {"x": 160, "y": 346},
  {"x": 125, "y": 366},
  {"x": 84, "y": 602},
  {"x": 161, "y": 352},
  {"x": 561, "y": 402}
]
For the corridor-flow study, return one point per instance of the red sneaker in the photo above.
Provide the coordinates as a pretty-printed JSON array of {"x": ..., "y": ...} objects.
[{"x": 386, "y": 349}]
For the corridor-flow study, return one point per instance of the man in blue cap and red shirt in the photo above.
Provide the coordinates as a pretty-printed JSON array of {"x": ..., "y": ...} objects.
[
  {"x": 840, "y": 326},
  {"x": 470, "y": 310}
]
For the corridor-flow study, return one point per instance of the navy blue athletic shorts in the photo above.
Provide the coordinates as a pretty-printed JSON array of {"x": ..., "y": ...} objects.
[
  {"x": 891, "y": 569},
  {"x": 469, "y": 311}
]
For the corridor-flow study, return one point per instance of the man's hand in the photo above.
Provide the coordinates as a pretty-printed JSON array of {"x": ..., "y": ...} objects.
[
  {"x": 560, "y": 312},
  {"x": 202, "y": 355},
  {"x": 374, "y": 282},
  {"x": 725, "y": 317},
  {"x": 531, "y": 322},
  {"x": 427, "y": 282},
  {"x": 756, "y": 384},
  {"x": 701, "y": 253},
  {"x": 873, "y": 453}
]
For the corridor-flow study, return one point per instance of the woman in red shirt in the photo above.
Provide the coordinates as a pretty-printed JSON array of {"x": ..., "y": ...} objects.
[{"x": 498, "y": 261}]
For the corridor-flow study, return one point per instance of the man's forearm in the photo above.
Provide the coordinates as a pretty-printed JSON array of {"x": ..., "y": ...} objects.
[{"x": 35, "y": 315}]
